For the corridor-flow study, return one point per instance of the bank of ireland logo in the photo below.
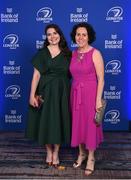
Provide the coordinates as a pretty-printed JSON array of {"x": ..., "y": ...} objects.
[
  {"x": 44, "y": 14},
  {"x": 39, "y": 43},
  {"x": 113, "y": 67},
  {"x": 9, "y": 16},
  {"x": 112, "y": 116},
  {"x": 115, "y": 14},
  {"x": 11, "y": 41},
  {"x": 13, "y": 117},
  {"x": 12, "y": 92},
  {"x": 79, "y": 16}
]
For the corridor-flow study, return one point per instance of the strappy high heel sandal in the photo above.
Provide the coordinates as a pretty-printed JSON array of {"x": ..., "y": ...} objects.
[
  {"x": 80, "y": 160},
  {"x": 90, "y": 167},
  {"x": 56, "y": 164}
]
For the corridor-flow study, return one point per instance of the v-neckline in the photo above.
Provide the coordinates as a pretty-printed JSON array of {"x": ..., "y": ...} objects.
[{"x": 51, "y": 55}]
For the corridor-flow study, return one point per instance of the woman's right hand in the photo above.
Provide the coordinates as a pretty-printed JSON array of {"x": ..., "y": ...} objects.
[{"x": 33, "y": 101}]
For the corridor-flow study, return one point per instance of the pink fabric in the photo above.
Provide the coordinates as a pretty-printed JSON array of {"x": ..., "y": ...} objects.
[{"x": 83, "y": 98}]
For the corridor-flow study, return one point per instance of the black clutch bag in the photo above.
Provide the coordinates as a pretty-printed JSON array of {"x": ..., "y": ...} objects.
[{"x": 99, "y": 115}]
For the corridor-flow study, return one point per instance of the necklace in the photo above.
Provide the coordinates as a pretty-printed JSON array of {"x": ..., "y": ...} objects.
[{"x": 80, "y": 56}]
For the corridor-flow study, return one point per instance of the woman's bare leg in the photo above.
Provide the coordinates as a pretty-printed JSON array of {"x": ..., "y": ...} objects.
[
  {"x": 56, "y": 154},
  {"x": 90, "y": 163},
  {"x": 49, "y": 157}
]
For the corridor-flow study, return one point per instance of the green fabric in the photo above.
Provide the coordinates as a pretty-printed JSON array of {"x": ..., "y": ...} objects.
[{"x": 51, "y": 124}]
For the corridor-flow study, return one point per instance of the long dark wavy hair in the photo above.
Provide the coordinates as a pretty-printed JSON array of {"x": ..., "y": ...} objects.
[{"x": 62, "y": 44}]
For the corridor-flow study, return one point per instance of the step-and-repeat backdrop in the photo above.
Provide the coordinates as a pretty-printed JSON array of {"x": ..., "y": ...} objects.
[{"x": 22, "y": 26}]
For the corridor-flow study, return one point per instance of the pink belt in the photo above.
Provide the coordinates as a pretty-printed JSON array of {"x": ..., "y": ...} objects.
[{"x": 78, "y": 90}]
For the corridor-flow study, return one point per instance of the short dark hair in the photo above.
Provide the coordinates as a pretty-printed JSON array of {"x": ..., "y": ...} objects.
[{"x": 90, "y": 31}]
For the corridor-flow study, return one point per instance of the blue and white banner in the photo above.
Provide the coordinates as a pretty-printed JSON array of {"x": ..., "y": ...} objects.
[{"x": 22, "y": 34}]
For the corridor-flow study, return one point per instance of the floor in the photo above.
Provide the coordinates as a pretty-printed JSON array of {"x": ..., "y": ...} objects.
[{"x": 24, "y": 159}]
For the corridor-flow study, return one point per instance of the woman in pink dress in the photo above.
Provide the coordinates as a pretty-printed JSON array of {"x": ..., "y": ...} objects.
[{"x": 87, "y": 70}]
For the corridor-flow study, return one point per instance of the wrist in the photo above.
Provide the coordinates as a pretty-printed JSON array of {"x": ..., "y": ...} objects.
[
  {"x": 32, "y": 96},
  {"x": 98, "y": 99}
]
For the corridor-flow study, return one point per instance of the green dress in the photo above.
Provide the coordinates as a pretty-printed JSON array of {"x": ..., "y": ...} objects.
[{"x": 51, "y": 123}]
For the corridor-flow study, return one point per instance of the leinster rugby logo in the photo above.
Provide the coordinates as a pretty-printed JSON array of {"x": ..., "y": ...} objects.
[
  {"x": 115, "y": 14},
  {"x": 11, "y": 41},
  {"x": 113, "y": 67},
  {"x": 112, "y": 116},
  {"x": 12, "y": 92},
  {"x": 44, "y": 14}
]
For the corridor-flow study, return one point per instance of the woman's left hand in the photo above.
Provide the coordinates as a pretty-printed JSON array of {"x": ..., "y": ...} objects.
[{"x": 98, "y": 105}]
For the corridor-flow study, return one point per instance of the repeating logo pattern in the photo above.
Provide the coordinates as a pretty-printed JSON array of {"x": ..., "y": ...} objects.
[
  {"x": 9, "y": 16},
  {"x": 13, "y": 92},
  {"x": 19, "y": 36},
  {"x": 115, "y": 14},
  {"x": 11, "y": 41},
  {"x": 79, "y": 16},
  {"x": 113, "y": 67},
  {"x": 112, "y": 116},
  {"x": 44, "y": 14},
  {"x": 13, "y": 117}
]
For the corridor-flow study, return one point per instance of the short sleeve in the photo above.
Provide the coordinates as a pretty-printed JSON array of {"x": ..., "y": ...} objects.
[{"x": 38, "y": 61}]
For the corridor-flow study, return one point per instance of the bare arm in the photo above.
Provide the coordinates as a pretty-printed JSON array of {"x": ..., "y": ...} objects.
[
  {"x": 34, "y": 84},
  {"x": 99, "y": 66}
]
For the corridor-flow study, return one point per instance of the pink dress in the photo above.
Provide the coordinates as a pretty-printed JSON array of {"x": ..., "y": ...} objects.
[{"x": 83, "y": 99}]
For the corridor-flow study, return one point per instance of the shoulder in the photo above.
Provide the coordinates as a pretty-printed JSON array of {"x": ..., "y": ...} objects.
[
  {"x": 96, "y": 52},
  {"x": 97, "y": 56},
  {"x": 42, "y": 51},
  {"x": 40, "y": 54}
]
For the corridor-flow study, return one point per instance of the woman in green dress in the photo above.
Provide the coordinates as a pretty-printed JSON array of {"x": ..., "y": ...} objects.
[{"x": 49, "y": 114}]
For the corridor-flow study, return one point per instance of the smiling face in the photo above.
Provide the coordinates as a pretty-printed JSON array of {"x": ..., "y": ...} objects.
[
  {"x": 52, "y": 36},
  {"x": 81, "y": 37}
]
